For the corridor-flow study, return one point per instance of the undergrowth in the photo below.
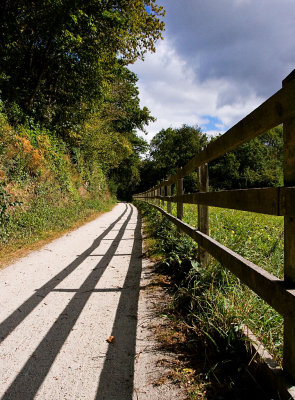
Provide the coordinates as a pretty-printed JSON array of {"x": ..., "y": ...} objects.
[
  {"x": 44, "y": 187},
  {"x": 211, "y": 301}
]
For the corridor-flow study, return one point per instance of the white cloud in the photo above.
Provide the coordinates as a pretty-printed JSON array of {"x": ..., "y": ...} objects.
[
  {"x": 218, "y": 62},
  {"x": 247, "y": 42},
  {"x": 173, "y": 93}
]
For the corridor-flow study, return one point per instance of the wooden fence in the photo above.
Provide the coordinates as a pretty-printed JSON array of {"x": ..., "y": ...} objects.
[{"x": 280, "y": 294}]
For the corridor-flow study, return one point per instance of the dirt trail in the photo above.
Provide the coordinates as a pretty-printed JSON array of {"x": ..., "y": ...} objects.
[{"x": 58, "y": 307}]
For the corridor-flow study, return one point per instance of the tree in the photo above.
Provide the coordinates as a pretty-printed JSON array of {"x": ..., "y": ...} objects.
[
  {"x": 120, "y": 107},
  {"x": 171, "y": 149},
  {"x": 126, "y": 176},
  {"x": 257, "y": 163},
  {"x": 56, "y": 55},
  {"x": 109, "y": 135}
]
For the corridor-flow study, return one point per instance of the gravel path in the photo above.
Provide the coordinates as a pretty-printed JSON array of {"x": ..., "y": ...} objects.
[{"x": 58, "y": 307}]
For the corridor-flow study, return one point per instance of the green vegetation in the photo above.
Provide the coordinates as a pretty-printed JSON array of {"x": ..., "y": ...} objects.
[
  {"x": 257, "y": 163},
  {"x": 42, "y": 190},
  {"x": 169, "y": 150},
  {"x": 58, "y": 58},
  {"x": 69, "y": 110},
  {"x": 210, "y": 306},
  {"x": 212, "y": 301}
]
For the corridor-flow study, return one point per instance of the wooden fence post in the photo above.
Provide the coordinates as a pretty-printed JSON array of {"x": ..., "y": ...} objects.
[
  {"x": 203, "y": 211},
  {"x": 169, "y": 202},
  {"x": 289, "y": 239},
  {"x": 179, "y": 192},
  {"x": 162, "y": 193},
  {"x": 158, "y": 194}
]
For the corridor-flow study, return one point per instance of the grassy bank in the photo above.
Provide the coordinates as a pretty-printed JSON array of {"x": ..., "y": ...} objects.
[
  {"x": 258, "y": 238},
  {"x": 30, "y": 229},
  {"x": 45, "y": 187},
  {"x": 212, "y": 302}
]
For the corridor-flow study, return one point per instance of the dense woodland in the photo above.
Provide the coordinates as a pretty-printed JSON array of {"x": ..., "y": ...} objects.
[
  {"x": 70, "y": 113},
  {"x": 69, "y": 107},
  {"x": 257, "y": 163}
]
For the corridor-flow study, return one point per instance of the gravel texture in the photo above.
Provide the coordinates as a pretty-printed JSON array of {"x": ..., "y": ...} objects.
[{"x": 60, "y": 305}]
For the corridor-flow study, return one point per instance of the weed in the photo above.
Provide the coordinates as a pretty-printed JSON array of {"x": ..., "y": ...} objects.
[
  {"x": 212, "y": 301},
  {"x": 52, "y": 188}
]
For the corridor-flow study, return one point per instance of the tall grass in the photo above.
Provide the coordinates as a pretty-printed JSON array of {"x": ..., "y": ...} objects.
[
  {"x": 44, "y": 187},
  {"x": 212, "y": 299}
]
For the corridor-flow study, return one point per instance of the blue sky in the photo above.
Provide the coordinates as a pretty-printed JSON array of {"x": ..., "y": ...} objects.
[
  {"x": 211, "y": 124},
  {"x": 218, "y": 61}
]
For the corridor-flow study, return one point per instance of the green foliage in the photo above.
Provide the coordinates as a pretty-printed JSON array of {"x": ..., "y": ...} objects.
[
  {"x": 257, "y": 163},
  {"x": 50, "y": 187},
  {"x": 68, "y": 94},
  {"x": 48, "y": 213},
  {"x": 120, "y": 108},
  {"x": 212, "y": 300},
  {"x": 171, "y": 149},
  {"x": 108, "y": 136},
  {"x": 5, "y": 206},
  {"x": 126, "y": 175},
  {"x": 56, "y": 55},
  {"x": 177, "y": 251}
]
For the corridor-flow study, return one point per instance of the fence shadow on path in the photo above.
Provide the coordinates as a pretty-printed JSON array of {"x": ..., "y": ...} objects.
[
  {"x": 11, "y": 322},
  {"x": 117, "y": 376},
  {"x": 30, "y": 378}
]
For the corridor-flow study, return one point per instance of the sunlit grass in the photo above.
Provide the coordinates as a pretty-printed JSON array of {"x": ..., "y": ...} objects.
[
  {"x": 45, "y": 221},
  {"x": 225, "y": 302},
  {"x": 257, "y": 237}
]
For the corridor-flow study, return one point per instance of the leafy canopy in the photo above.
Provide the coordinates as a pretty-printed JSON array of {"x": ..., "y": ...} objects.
[
  {"x": 171, "y": 149},
  {"x": 258, "y": 163},
  {"x": 55, "y": 55}
]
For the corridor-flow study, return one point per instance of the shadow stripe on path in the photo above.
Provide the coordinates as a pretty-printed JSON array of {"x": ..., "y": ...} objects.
[
  {"x": 11, "y": 322},
  {"x": 120, "y": 358},
  {"x": 30, "y": 378}
]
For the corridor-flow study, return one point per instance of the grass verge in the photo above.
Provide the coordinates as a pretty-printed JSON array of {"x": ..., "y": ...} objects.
[
  {"x": 211, "y": 304},
  {"x": 30, "y": 229}
]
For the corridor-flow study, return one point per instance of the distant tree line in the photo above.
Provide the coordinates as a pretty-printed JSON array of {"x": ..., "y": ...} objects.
[{"x": 257, "y": 163}]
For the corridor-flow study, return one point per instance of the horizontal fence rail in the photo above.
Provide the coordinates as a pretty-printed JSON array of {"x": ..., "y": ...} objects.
[
  {"x": 272, "y": 201},
  {"x": 270, "y": 288},
  {"x": 280, "y": 201},
  {"x": 273, "y": 112}
]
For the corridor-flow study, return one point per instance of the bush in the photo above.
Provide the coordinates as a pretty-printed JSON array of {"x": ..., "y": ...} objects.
[
  {"x": 52, "y": 186},
  {"x": 212, "y": 301}
]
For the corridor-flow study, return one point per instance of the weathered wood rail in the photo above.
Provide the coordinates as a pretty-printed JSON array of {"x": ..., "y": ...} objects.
[{"x": 279, "y": 293}]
